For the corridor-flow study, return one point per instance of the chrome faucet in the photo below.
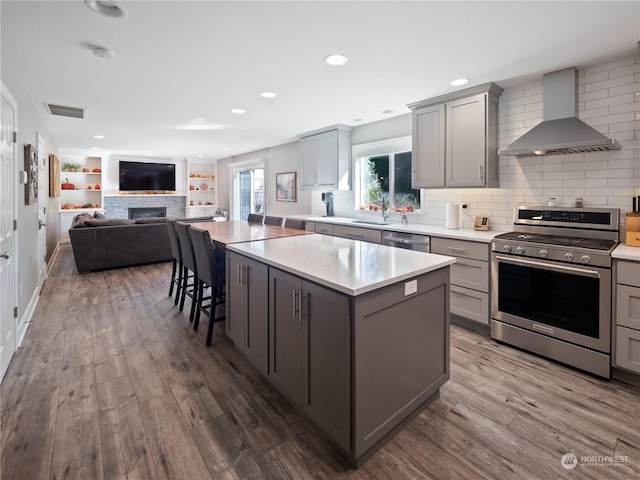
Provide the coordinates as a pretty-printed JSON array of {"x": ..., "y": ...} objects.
[{"x": 385, "y": 215}]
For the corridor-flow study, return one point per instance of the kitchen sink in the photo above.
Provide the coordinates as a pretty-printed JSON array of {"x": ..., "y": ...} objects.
[{"x": 373, "y": 222}]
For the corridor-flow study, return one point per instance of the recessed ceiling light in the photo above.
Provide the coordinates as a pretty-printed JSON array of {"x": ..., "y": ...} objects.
[
  {"x": 268, "y": 94},
  {"x": 226, "y": 149},
  {"x": 150, "y": 154},
  {"x": 238, "y": 110},
  {"x": 95, "y": 148},
  {"x": 336, "y": 59},
  {"x": 387, "y": 111},
  {"x": 200, "y": 156},
  {"x": 459, "y": 81},
  {"x": 98, "y": 136},
  {"x": 108, "y": 8},
  {"x": 200, "y": 126}
]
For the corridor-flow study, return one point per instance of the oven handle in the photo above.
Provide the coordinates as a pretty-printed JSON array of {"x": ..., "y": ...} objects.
[{"x": 557, "y": 268}]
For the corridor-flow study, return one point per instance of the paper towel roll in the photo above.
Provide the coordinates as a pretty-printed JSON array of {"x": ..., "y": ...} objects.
[{"x": 453, "y": 216}]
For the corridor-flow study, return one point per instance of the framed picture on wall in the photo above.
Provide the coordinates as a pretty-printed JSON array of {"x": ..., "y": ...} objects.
[
  {"x": 286, "y": 187},
  {"x": 31, "y": 167}
]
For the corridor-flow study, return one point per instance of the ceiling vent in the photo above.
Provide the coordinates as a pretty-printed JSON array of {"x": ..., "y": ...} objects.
[{"x": 62, "y": 111}]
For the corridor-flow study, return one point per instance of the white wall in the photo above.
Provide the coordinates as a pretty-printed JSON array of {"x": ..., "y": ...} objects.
[
  {"x": 29, "y": 123},
  {"x": 278, "y": 159}
]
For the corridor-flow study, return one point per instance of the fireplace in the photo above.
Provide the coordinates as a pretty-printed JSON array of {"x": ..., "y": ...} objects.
[{"x": 146, "y": 212}]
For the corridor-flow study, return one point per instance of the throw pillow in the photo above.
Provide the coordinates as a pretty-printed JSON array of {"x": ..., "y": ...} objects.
[{"x": 99, "y": 216}]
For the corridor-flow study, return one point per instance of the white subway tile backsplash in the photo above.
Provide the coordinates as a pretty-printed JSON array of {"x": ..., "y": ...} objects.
[
  {"x": 612, "y": 82},
  {"x": 608, "y": 101}
]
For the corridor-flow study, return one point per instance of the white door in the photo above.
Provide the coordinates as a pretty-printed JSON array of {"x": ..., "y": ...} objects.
[
  {"x": 43, "y": 181},
  {"x": 8, "y": 207}
]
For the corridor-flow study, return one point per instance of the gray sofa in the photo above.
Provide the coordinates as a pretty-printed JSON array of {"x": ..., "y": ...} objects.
[{"x": 100, "y": 244}]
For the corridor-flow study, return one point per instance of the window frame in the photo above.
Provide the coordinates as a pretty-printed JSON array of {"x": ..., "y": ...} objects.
[{"x": 378, "y": 148}]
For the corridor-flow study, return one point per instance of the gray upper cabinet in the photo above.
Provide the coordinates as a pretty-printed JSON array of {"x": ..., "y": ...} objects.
[
  {"x": 455, "y": 139},
  {"x": 325, "y": 159}
]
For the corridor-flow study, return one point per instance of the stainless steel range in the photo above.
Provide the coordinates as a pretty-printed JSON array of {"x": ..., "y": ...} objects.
[{"x": 551, "y": 284}]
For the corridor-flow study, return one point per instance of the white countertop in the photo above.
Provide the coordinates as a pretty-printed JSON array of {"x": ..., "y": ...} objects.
[
  {"x": 348, "y": 266},
  {"x": 435, "y": 230},
  {"x": 625, "y": 252}
]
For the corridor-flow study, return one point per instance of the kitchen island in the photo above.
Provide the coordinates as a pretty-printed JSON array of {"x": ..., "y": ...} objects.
[{"x": 354, "y": 334}]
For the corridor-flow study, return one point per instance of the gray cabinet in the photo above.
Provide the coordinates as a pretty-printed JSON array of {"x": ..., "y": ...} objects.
[
  {"x": 469, "y": 277},
  {"x": 247, "y": 307},
  {"x": 358, "y": 233},
  {"x": 627, "y": 329},
  {"x": 455, "y": 139},
  {"x": 310, "y": 351},
  {"x": 325, "y": 159}
]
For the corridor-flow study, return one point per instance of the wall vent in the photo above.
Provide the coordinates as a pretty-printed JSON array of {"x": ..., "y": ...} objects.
[{"x": 62, "y": 111}]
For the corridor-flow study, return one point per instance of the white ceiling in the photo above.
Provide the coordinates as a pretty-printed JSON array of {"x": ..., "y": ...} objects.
[{"x": 179, "y": 62}]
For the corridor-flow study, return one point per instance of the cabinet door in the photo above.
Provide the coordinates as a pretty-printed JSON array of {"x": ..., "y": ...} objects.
[
  {"x": 326, "y": 361},
  {"x": 628, "y": 308},
  {"x": 256, "y": 283},
  {"x": 470, "y": 304},
  {"x": 466, "y": 142},
  {"x": 428, "y": 147},
  {"x": 285, "y": 334},
  {"x": 308, "y": 162},
  {"x": 236, "y": 300},
  {"x": 327, "y": 166},
  {"x": 628, "y": 349}
]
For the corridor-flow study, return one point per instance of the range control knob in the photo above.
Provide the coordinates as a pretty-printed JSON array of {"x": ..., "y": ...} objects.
[
  {"x": 585, "y": 258},
  {"x": 506, "y": 248},
  {"x": 543, "y": 253},
  {"x": 568, "y": 256},
  {"x": 520, "y": 250}
]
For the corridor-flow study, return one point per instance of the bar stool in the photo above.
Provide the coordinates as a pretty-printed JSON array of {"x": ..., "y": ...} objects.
[
  {"x": 210, "y": 262},
  {"x": 188, "y": 265},
  {"x": 273, "y": 221},
  {"x": 255, "y": 218}
]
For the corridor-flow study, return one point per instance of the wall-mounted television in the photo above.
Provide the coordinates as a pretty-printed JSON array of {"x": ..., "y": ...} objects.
[{"x": 147, "y": 176}]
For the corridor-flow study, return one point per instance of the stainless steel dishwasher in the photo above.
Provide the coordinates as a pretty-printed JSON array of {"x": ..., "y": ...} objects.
[{"x": 410, "y": 241}]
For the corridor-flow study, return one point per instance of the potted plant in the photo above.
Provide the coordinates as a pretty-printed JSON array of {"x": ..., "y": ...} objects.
[{"x": 70, "y": 167}]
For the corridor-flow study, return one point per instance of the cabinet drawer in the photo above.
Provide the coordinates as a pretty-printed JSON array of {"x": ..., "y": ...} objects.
[
  {"x": 358, "y": 233},
  {"x": 325, "y": 228},
  {"x": 629, "y": 273},
  {"x": 460, "y": 248},
  {"x": 470, "y": 273},
  {"x": 628, "y": 349},
  {"x": 470, "y": 304},
  {"x": 628, "y": 306},
  {"x": 310, "y": 226}
]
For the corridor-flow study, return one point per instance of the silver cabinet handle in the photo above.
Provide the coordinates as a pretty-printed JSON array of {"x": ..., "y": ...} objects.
[
  {"x": 4, "y": 255},
  {"x": 297, "y": 304},
  {"x": 239, "y": 269},
  {"x": 293, "y": 304},
  {"x": 457, "y": 249},
  {"x": 354, "y": 234}
]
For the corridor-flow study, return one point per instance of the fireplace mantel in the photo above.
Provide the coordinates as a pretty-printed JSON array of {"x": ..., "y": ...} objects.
[{"x": 117, "y": 206}]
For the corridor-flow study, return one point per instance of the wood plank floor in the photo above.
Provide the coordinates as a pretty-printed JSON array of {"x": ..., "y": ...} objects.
[{"x": 112, "y": 383}]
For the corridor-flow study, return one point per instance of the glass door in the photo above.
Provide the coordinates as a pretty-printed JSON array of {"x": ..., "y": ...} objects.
[{"x": 247, "y": 189}]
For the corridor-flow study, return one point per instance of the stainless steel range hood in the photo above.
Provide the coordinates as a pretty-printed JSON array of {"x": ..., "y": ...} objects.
[{"x": 560, "y": 130}]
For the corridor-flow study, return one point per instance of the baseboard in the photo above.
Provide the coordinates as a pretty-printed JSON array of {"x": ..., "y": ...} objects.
[
  {"x": 25, "y": 318},
  {"x": 54, "y": 255}
]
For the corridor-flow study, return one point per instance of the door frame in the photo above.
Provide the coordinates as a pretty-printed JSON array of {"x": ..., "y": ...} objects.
[
  {"x": 43, "y": 197},
  {"x": 234, "y": 184},
  {"x": 16, "y": 339}
]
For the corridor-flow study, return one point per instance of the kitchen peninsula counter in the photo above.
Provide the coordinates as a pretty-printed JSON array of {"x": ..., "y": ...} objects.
[{"x": 356, "y": 335}]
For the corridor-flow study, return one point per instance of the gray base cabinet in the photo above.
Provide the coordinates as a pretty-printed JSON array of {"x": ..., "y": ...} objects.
[
  {"x": 359, "y": 368},
  {"x": 469, "y": 277},
  {"x": 627, "y": 330},
  {"x": 247, "y": 308}
]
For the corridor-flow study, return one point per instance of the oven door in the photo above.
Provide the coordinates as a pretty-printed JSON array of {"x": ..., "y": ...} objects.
[{"x": 571, "y": 303}]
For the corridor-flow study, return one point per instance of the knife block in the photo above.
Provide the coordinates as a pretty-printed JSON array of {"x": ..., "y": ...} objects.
[{"x": 633, "y": 229}]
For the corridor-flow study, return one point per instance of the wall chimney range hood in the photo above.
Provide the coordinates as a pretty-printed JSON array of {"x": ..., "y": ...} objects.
[{"x": 560, "y": 130}]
